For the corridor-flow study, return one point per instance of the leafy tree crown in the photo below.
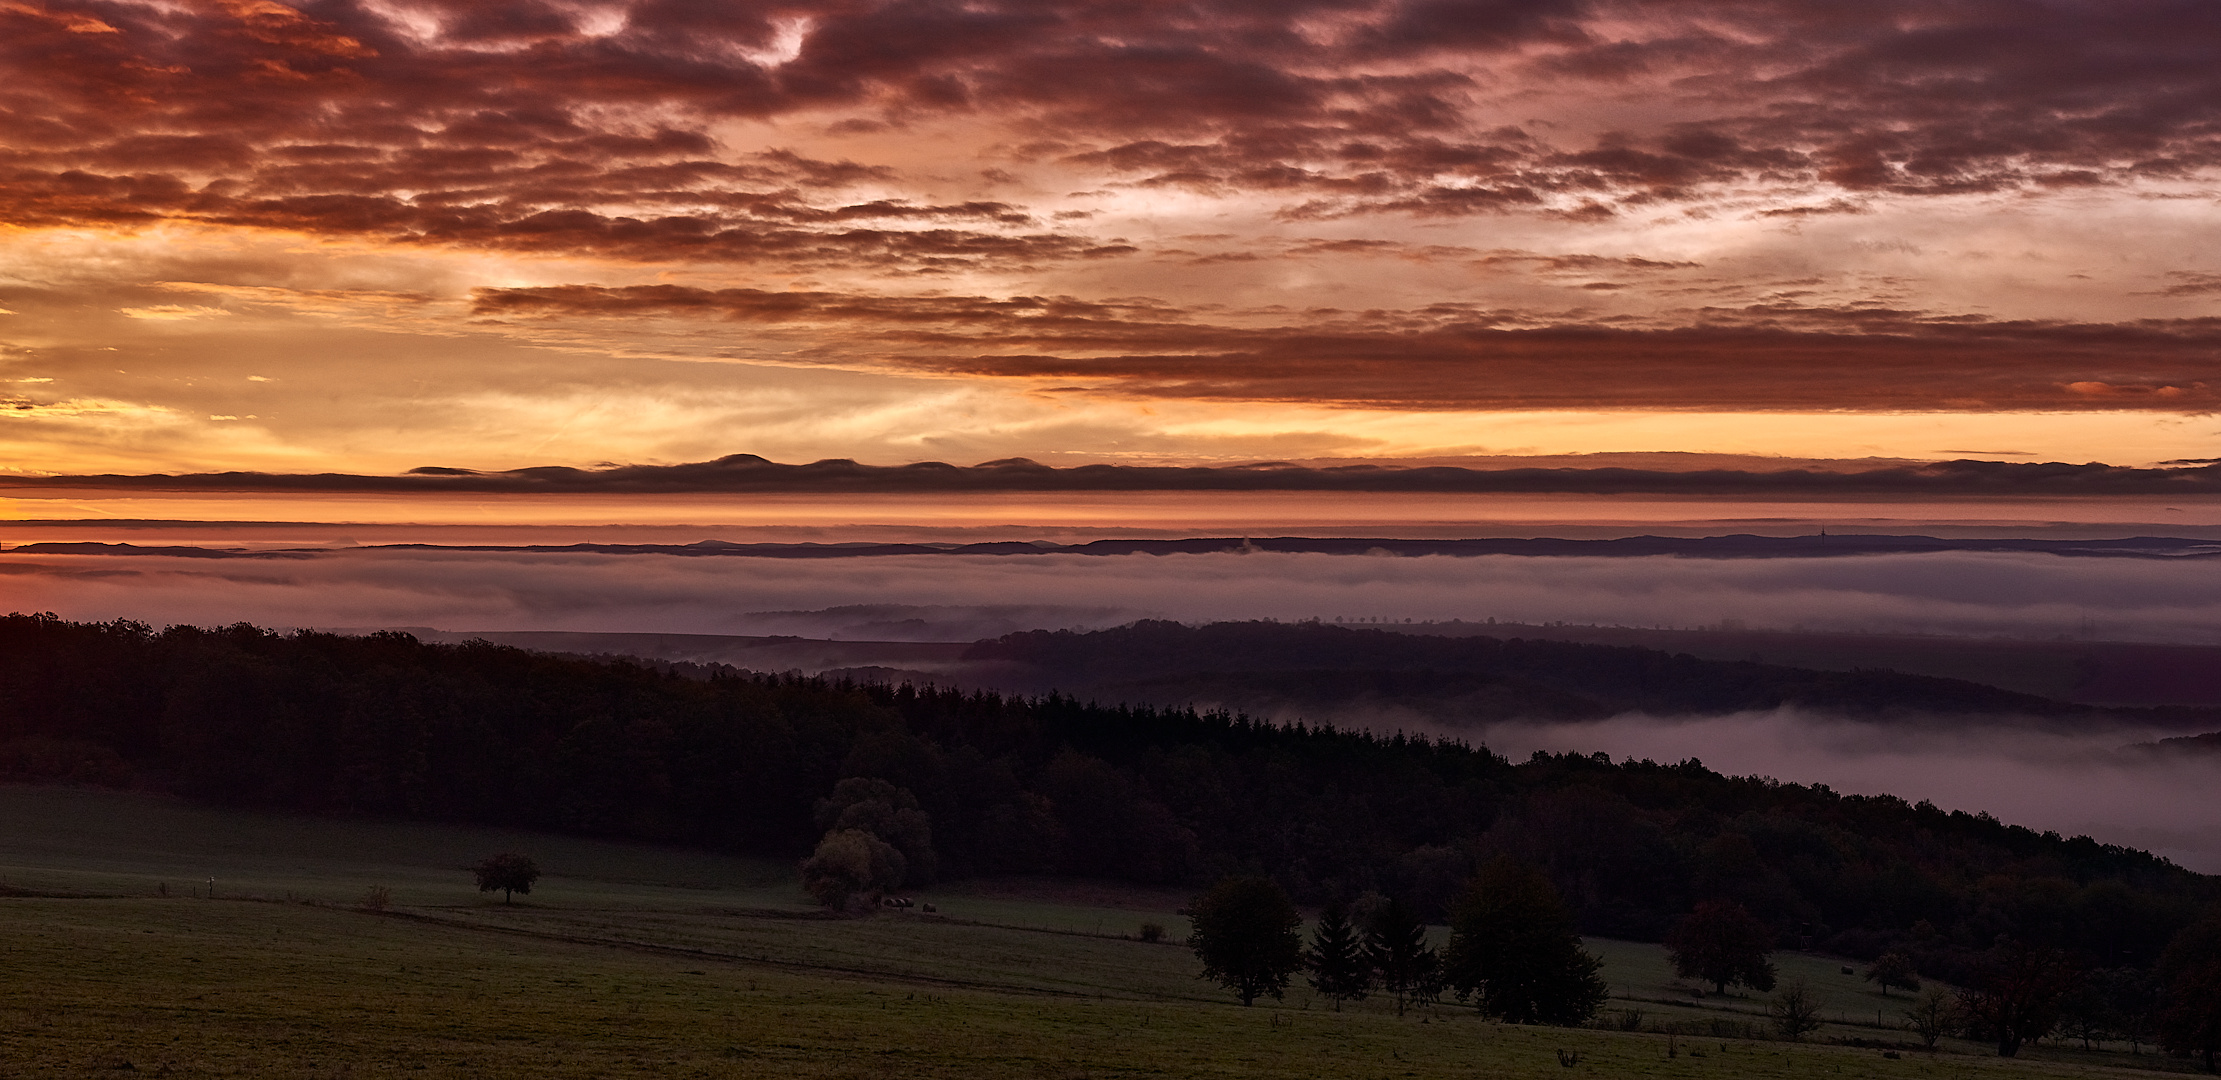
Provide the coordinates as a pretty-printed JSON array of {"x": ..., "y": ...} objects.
[{"x": 1246, "y": 934}]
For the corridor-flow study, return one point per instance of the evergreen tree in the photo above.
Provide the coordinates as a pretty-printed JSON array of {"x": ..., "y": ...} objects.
[
  {"x": 1512, "y": 943},
  {"x": 1396, "y": 947},
  {"x": 1721, "y": 943},
  {"x": 1339, "y": 969},
  {"x": 1247, "y": 935}
]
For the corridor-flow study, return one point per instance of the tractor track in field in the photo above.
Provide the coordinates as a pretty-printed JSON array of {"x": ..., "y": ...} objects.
[{"x": 694, "y": 953}]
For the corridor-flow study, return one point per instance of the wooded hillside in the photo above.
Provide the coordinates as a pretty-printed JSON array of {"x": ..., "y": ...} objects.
[{"x": 480, "y": 733}]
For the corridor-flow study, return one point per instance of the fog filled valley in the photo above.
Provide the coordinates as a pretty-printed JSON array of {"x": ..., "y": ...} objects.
[
  {"x": 2021, "y": 677},
  {"x": 1831, "y": 746},
  {"x": 698, "y": 588}
]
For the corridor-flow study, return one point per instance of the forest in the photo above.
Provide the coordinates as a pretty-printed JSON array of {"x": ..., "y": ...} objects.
[{"x": 997, "y": 784}]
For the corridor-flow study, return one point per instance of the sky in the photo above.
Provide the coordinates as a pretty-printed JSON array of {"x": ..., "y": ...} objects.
[{"x": 368, "y": 236}]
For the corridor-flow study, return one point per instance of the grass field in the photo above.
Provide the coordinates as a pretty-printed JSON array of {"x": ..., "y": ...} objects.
[{"x": 632, "y": 960}]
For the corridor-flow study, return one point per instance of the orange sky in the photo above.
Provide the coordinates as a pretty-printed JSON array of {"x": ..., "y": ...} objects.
[{"x": 370, "y": 236}]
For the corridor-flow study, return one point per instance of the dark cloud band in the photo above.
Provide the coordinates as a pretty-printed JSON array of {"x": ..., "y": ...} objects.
[{"x": 1778, "y": 355}]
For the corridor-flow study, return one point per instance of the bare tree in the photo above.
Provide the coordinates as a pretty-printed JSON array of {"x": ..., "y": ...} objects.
[
  {"x": 1931, "y": 1016},
  {"x": 1796, "y": 1010}
]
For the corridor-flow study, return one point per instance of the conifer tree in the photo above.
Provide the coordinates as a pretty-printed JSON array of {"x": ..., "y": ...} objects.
[
  {"x": 1397, "y": 948},
  {"x": 1336, "y": 961}
]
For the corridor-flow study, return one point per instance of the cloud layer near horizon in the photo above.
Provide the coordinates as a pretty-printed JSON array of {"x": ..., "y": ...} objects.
[
  {"x": 1967, "y": 593},
  {"x": 248, "y": 234}
]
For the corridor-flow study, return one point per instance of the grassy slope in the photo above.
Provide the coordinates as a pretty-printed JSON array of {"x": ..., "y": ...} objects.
[{"x": 631, "y": 960}]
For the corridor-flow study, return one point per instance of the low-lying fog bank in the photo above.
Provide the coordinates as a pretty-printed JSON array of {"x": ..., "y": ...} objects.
[
  {"x": 2075, "y": 783},
  {"x": 2022, "y": 595}
]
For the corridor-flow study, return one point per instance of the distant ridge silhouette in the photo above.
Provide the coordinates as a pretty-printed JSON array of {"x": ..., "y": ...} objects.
[{"x": 1739, "y": 545}]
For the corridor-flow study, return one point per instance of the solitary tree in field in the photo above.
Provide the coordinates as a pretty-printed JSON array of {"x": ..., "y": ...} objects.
[
  {"x": 1336, "y": 959},
  {"x": 1246, "y": 934},
  {"x": 1721, "y": 943},
  {"x": 1396, "y": 944},
  {"x": 1512, "y": 943},
  {"x": 509, "y": 872},
  {"x": 1894, "y": 968},
  {"x": 1796, "y": 1011}
]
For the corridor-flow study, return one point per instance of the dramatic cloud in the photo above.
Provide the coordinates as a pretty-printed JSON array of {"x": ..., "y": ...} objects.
[
  {"x": 1076, "y": 209},
  {"x": 597, "y": 126}
]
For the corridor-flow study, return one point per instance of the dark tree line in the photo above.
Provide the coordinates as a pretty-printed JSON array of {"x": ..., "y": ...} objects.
[
  {"x": 1512, "y": 953},
  {"x": 965, "y": 783}
]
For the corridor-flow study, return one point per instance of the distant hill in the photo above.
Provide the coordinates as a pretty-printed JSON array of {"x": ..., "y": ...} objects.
[
  {"x": 1732, "y": 546},
  {"x": 1320, "y": 672},
  {"x": 2132, "y": 673}
]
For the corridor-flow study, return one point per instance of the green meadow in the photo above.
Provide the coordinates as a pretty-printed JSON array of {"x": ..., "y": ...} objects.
[{"x": 142, "y": 934}]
